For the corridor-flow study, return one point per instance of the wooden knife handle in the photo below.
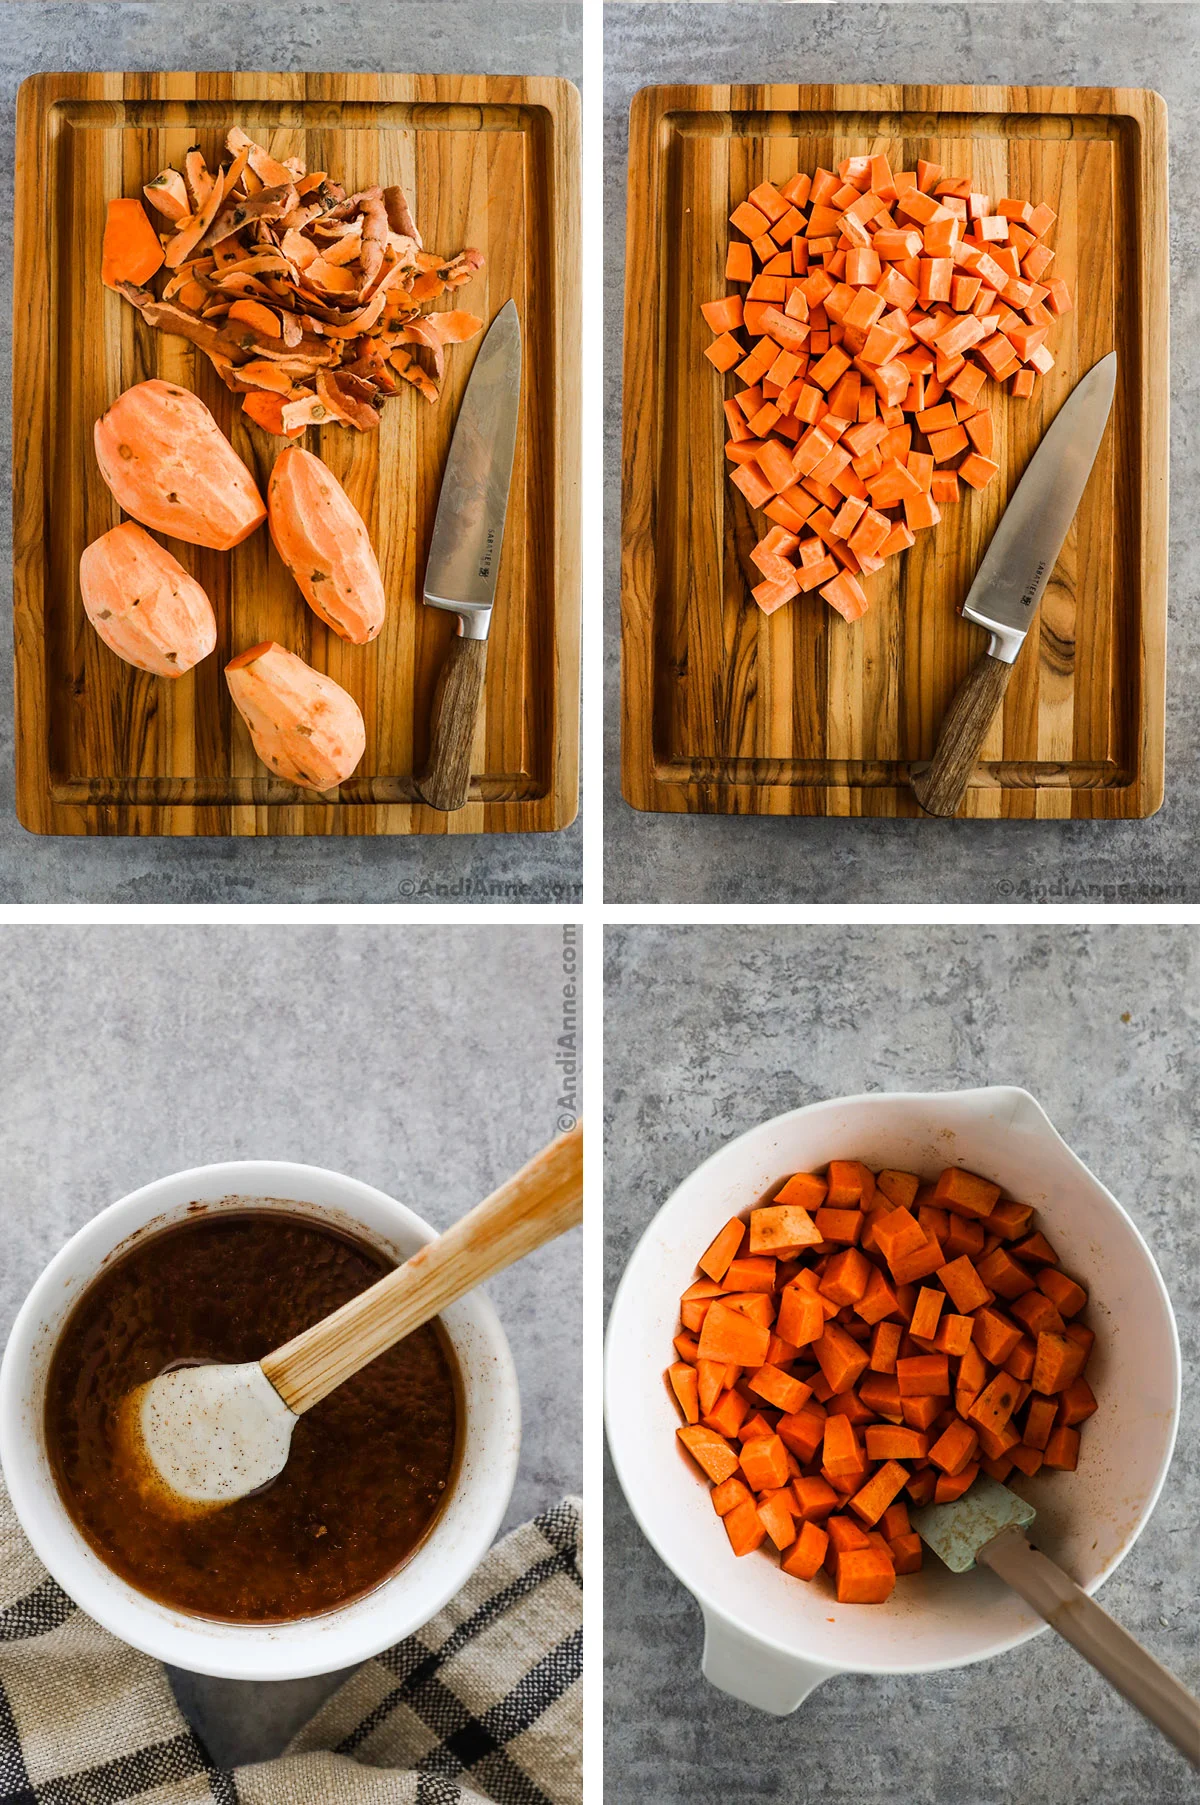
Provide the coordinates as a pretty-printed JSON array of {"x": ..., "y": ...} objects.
[
  {"x": 941, "y": 786},
  {"x": 543, "y": 1200},
  {"x": 1124, "y": 1663},
  {"x": 447, "y": 780}
]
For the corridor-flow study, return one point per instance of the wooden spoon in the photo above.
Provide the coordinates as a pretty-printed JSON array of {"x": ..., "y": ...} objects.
[{"x": 203, "y": 1436}]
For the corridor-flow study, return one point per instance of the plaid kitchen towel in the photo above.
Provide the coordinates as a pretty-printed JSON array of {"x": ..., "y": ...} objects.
[{"x": 483, "y": 1704}]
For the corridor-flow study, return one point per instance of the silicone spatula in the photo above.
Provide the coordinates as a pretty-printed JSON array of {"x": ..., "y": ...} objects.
[{"x": 987, "y": 1528}]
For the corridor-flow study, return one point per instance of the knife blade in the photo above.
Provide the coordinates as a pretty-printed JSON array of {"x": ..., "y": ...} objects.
[
  {"x": 464, "y": 553},
  {"x": 1010, "y": 582}
]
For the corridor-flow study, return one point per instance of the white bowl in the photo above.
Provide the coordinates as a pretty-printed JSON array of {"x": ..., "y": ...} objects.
[
  {"x": 770, "y": 1640},
  {"x": 280, "y": 1651}
]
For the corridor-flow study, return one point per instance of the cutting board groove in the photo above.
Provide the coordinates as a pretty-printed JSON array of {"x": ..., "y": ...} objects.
[
  {"x": 487, "y": 161},
  {"x": 725, "y": 710}
]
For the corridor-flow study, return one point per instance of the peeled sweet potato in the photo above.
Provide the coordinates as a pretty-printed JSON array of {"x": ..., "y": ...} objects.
[
  {"x": 303, "y": 724},
  {"x": 143, "y": 604},
  {"x": 169, "y": 465},
  {"x": 320, "y": 536}
]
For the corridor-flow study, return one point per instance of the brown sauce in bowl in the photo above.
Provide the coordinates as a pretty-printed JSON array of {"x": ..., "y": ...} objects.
[{"x": 370, "y": 1465}]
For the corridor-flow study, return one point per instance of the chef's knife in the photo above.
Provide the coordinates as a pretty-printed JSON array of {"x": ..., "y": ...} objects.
[
  {"x": 464, "y": 556},
  {"x": 1010, "y": 582}
]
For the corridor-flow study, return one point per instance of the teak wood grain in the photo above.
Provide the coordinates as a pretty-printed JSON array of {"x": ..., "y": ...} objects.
[
  {"x": 725, "y": 710},
  {"x": 487, "y": 161}
]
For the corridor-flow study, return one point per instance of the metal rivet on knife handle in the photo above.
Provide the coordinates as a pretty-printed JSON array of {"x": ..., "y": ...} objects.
[{"x": 941, "y": 786}]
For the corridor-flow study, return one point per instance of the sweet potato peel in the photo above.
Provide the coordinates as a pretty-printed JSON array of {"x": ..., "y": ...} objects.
[{"x": 294, "y": 290}]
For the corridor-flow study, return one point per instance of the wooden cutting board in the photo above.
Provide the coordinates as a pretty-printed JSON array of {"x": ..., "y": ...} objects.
[
  {"x": 728, "y": 711},
  {"x": 487, "y": 161}
]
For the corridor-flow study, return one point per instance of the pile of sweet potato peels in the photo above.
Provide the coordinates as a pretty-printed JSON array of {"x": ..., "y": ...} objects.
[{"x": 306, "y": 300}]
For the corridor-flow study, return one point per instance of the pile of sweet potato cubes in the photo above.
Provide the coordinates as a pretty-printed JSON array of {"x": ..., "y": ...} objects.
[
  {"x": 866, "y": 1341},
  {"x": 870, "y": 315}
]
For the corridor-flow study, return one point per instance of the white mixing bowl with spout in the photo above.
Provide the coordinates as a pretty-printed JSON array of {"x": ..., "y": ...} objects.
[{"x": 769, "y": 1640}]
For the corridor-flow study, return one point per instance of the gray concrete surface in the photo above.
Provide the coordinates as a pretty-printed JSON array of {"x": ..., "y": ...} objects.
[
  {"x": 420, "y": 1059},
  {"x": 727, "y": 859},
  {"x": 516, "y": 37},
  {"x": 711, "y": 1030}
]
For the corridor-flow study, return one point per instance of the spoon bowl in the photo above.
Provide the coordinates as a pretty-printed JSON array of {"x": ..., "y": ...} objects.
[{"x": 200, "y": 1436}]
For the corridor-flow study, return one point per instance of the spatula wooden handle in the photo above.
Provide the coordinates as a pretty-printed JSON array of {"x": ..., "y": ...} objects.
[
  {"x": 542, "y": 1201},
  {"x": 447, "y": 781},
  {"x": 941, "y": 786},
  {"x": 1124, "y": 1663}
]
